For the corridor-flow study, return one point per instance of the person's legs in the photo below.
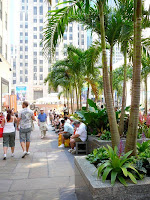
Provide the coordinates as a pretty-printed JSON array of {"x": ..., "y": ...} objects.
[
  {"x": 28, "y": 142},
  {"x": 23, "y": 146},
  {"x": 62, "y": 139},
  {"x": 5, "y": 143},
  {"x": 44, "y": 132},
  {"x": 27, "y": 146},
  {"x": 12, "y": 142},
  {"x": 72, "y": 143}
]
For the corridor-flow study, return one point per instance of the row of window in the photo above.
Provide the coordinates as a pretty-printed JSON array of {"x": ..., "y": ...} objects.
[
  {"x": 35, "y": 20},
  {"x": 70, "y": 37},
  {"x": 40, "y": 10},
  {"x": 1, "y": 44},
  {"x": 34, "y": 28}
]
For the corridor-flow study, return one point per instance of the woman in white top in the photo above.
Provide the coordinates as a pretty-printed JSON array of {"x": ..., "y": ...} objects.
[{"x": 8, "y": 133}]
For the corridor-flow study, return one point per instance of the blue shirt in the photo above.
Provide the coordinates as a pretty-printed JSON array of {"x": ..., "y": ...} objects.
[{"x": 42, "y": 117}]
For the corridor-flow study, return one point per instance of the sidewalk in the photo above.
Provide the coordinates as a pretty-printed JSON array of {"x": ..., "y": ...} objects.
[{"x": 46, "y": 174}]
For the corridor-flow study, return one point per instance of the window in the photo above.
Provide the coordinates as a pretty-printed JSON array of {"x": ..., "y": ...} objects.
[
  {"x": 34, "y": 20},
  {"x": 26, "y": 41},
  {"x": 41, "y": 36},
  {"x": 26, "y": 64},
  {"x": 26, "y": 71},
  {"x": 34, "y": 76},
  {"x": 41, "y": 69},
  {"x": 56, "y": 1},
  {"x": 41, "y": 44},
  {"x": 0, "y": 44},
  {"x": 41, "y": 28},
  {"x": 6, "y": 21},
  {"x": 26, "y": 34},
  {"x": 21, "y": 41},
  {"x": 34, "y": 44},
  {"x": 70, "y": 29},
  {"x": 41, "y": 10},
  {"x": 14, "y": 74},
  {"x": 22, "y": 1},
  {"x": 82, "y": 42},
  {"x": 21, "y": 64},
  {"x": 41, "y": 20},
  {"x": 41, "y": 76},
  {"x": 35, "y": 0},
  {"x": 82, "y": 28},
  {"x": 21, "y": 34},
  {"x": 65, "y": 36},
  {"x": 21, "y": 16},
  {"x": 35, "y": 10},
  {"x": 21, "y": 25},
  {"x": 57, "y": 8},
  {"x": 35, "y": 61},
  {"x": 70, "y": 36},
  {"x": 41, "y": 1},
  {"x": 35, "y": 53},
  {"x": 34, "y": 28},
  {"x": 21, "y": 79},
  {"x": 23, "y": 8},
  {"x": 21, "y": 56},
  {"x": 26, "y": 26},
  {"x": 21, "y": 71},
  {"x": 26, "y": 17},
  {"x": 82, "y": 36},
  {"x": 41, "y": 61},
  {"x": 0, "y": 9},
  {"x": 35, "y": 68},
  {"x": 57, "y": 53},
  {"x": 35, "y": 36},
  {"x": 21, "y": 48},
  {"x": 41, "y": 53},
  {"x": 49, "y": 8},
  {"x": 26, "y": 48},
  {"x": 26, "y": 79},
  {"x": 26, "y": 56},
  {"x": 14, "y": 81}
]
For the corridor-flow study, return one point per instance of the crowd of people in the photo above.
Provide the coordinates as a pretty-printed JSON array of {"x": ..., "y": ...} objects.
[{"x": 65, "y": 126}]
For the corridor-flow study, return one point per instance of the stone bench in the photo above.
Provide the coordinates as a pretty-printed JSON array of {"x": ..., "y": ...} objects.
[{"x": 85, "y": 150}]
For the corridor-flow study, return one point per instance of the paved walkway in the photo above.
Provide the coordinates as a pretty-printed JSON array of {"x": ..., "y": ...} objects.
[{"x": 46, "y": 174}]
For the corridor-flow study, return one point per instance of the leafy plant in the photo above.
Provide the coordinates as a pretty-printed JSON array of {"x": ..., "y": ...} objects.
[
  {"x": 117, "y": 168},
  {"x": 106, "y": 135},
  {"x": 97, "y": 156},
  {"x": 143, "y": 146},
  {"x": 144, "y": 158}
]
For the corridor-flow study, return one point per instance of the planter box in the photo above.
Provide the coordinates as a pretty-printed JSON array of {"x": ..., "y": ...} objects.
[
  {"x": 94, "y": 143},
  {"x": 89, "y": 187}
]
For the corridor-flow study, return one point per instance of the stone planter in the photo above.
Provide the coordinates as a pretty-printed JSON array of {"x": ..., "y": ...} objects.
[
  {"x": 94, "y": 143},
  {"x": 89, "y": 187}
]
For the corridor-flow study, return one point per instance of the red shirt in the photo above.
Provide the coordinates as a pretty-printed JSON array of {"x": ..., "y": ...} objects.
[{"x": 1, "y": 118}]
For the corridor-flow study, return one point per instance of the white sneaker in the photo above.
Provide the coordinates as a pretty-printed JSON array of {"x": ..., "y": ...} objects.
[
  {"x": 28, "y": 153},
  {"x": 24, "y": 154},
  {"x": 12, "y": 155},
  {"x": 61, "y": 146},
  {"x": 42, "y": 137},
  {"x": 74, "y": 151},
  {"x": 70, "y": 150}
]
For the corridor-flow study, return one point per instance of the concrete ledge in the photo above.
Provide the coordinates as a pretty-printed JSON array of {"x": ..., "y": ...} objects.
[
  {"x": 94, "y": 143},
  {"x": 89, "y": 187}
]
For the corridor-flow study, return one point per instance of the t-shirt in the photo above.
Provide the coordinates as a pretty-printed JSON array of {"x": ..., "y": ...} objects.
[
  {"x": 65, "y": 109},
  {"x": 68, "y": 121},
  {"x": 42, "y": 117},
  {"x": 26, "y": 118},
  {"x": 68, "y": 128},
  {"x": 1, "y": 118},
  {"x": 82, "y": 132}
]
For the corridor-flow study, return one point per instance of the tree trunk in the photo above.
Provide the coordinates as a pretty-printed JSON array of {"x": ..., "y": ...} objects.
[
  {"x": 145, "y": 81},
  {"x": 107, "y": 90},
  {"x": 135, "y": 99},
  {"x": 80, "y": 99},
  {"x": 121, "y": 123},
  {"x": 77, "y": 98},
  {"x": 88, "y": 90},
  {"x": 111, "y": 70},
  {"x": 71, "y": 102}
]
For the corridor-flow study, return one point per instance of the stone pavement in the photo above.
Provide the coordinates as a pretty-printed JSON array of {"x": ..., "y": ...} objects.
[{"x": 46, "y": 174}]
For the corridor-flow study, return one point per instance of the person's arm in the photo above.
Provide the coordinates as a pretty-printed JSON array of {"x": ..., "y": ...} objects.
[
  {"x": 75, "y": 136},
  {"x": 3, "y": 122},
  {"x": 15, "y": 119},
  {"x": 33, "y": 118},
  {"x": 18, "y": 121}
]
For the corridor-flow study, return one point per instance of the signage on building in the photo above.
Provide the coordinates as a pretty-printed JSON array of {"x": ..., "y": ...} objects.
[{"x": 21, "y": 92}]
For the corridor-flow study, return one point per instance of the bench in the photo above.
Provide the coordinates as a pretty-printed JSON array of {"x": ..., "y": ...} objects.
[{"x": 85, "y": 150}]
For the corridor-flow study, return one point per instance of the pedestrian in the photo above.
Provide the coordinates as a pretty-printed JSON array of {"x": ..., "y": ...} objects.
[
  {"x": 50, "y": 116},
  {"x": 42, "y": 122},
  {"x": 1, "y": 118},
  {"x": 8, "y": 133},
  {"x": 25, "y": 118},
  {"x": 65, "y": 110}
]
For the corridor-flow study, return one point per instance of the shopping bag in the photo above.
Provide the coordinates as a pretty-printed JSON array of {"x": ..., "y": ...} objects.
[
  {"x": 1, "y": 132},
  {"x": 67, "y": 142}
]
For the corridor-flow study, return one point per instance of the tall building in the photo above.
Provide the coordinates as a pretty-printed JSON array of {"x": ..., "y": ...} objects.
[
  {"x": 5, "y": 68},
  {"x": 31, "y": 67}
]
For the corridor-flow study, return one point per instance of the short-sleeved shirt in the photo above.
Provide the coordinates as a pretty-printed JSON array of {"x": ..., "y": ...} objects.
[
  {"x": 68, "y": 128},
  {"x": 42, "y": 117},
  {"x": 26, "y": 118},
  {"x": 82, "y": 132},
  {"x": 1, "y": 119}
]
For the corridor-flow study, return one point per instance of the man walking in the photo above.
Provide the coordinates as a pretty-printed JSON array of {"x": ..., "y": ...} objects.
[
  {"x": 42, "y": 122},
  {"x": 25, "y": 118}
]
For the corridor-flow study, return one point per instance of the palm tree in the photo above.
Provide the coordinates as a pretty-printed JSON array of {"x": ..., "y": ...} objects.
[
  {"x": 135, "y": 100},
  {"x": 145, "y": 72},
  {"x": 55, "y": 29}
]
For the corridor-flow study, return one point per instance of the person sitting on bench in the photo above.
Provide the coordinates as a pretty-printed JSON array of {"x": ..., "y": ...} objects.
[
  {"x": 79, "y": 136},
  {"x": 67, "y": 133}
]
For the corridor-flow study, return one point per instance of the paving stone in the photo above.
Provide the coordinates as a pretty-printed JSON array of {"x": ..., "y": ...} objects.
[
  {"x": 11, "y": 195},
  {"x": 40, "y": 172},
  {"x": 5, "y": 185},
  {"x": 48, "y": 194}
]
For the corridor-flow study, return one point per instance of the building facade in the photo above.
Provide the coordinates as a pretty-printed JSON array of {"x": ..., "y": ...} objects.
[
  {"x": 5, "y": 67},
  {"x": 31, "y": 67}
]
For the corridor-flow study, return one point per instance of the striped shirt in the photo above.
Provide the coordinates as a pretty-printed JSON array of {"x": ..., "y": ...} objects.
[{"x": 26, "y": 118}]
